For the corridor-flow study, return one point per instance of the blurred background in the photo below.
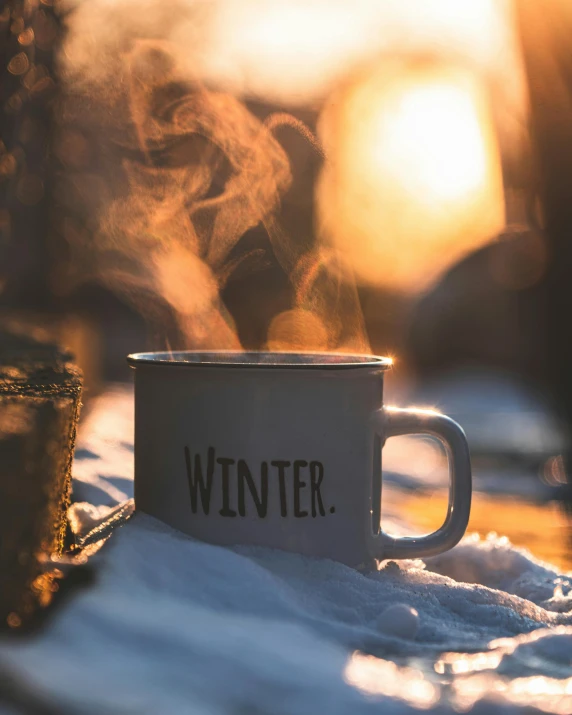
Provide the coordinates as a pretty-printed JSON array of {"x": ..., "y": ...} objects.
[{"x": 392, "y": 176}]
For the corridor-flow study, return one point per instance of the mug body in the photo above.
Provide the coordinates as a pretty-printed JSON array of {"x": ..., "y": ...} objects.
[{"x": 275, "y": 450}]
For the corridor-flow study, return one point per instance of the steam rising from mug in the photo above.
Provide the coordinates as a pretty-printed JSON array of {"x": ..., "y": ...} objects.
[{"x": 181, "y": 172}]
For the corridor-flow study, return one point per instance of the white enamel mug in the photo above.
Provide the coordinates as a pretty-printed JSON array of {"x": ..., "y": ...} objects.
[{"x": 281, "y": 450}]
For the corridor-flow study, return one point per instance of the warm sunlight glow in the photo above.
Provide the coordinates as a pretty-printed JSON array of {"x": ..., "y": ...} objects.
[
  {"x": 414, "y": 179},
  {"x": 291, "y": 48},
  {"x": 296, "y": 51},
  {"x": 433, "y": 141}
]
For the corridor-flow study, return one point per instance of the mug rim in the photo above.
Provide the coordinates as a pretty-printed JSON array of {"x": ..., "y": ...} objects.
[{"x": 307, "y": 360}]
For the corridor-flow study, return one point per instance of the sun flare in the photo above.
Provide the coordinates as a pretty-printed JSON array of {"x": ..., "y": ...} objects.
[{"x": 414, "y": 179}]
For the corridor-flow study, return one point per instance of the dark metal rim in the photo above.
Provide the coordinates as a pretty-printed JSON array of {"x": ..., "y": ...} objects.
[{"x": 260, "y": 360}]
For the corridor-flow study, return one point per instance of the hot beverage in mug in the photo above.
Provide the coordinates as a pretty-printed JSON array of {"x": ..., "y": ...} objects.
[{"x": 281, "y": 450}]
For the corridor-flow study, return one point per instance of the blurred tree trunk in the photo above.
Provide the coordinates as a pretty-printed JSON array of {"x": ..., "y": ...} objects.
[{"x": 546, "y": 33}]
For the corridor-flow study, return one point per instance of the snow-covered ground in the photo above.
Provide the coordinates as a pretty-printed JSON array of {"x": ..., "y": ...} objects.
[{"x": 172, "y": 625}]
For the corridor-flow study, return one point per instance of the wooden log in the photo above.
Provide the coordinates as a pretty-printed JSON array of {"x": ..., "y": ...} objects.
[{"x": 40, "y": 392}]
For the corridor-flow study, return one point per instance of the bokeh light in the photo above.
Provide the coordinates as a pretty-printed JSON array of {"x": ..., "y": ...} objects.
[{"x": 414, "y": 179}]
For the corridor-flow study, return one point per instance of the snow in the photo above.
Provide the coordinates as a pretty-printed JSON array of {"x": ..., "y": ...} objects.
[
  {"x": 173, "y": 625},
  {"x": 399, "y": 620}
]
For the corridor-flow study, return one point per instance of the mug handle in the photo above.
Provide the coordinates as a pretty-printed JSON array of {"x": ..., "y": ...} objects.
[{"x": 393, "y": 422}]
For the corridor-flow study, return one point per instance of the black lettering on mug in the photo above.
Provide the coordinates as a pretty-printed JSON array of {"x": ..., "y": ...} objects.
[
  {"x": 282, "y": 484},
  {"x": 260, "y": 500},
  {"x": 299, "y": 464},
  {"x": 316, "y": 476},
  {"x": 226, "y": 463},
  {"x": 196, "y": 482},
  {"x": 288, "y": 476}
]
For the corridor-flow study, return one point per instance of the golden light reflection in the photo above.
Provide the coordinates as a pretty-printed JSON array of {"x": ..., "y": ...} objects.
[
  {"x": 470, "y": 678},
  {"x": 375, "y": 676},
  {"x": 414, "y": 179},
  {"x": 551, "y": 695},
  {"x": 547, "y": 694},
  {"x": 457, "y": 664}
]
